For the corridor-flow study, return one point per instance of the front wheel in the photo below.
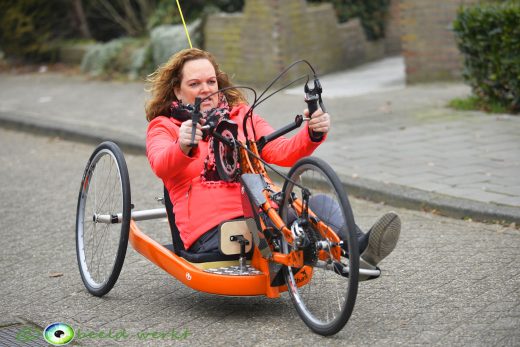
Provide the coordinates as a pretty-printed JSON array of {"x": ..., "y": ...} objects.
[
  {"x": 326, "y": 302},
  {"x": 103, "y": 218}
]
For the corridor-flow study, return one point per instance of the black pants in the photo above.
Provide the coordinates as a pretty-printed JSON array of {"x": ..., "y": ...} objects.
[
  {"x": 208, "y": 242},
  {"x": 323, "y": 206}
]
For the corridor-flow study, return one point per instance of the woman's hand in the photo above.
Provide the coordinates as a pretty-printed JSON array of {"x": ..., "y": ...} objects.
[
  {"x": 319, "y": 122},
  {"x": 185, "y": 136}
]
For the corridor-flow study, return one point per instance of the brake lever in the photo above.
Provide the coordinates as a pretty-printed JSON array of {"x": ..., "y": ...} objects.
[
  {"x": 312, "y": 100},
  {"x": 313, "y": 97}
]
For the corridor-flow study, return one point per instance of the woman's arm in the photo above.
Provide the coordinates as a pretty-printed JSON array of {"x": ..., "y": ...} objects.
[
  {"x": 164, "y": 151},
  {"x": 286, "y": 151}
]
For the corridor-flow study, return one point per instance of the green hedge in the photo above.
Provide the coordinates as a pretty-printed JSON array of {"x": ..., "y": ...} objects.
[
  {"x": 28, "y": 27},
  {"x": 488, "y": 35},
  {"x": 372, "y": 14}
]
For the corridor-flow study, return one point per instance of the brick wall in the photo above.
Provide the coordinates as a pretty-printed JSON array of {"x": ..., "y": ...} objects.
[
  {"x": 393, "y": 29},
  {"x": 255, "y": 45},
  {"x": 428, "y": 43},
  {"x": 354, "y": 42}
]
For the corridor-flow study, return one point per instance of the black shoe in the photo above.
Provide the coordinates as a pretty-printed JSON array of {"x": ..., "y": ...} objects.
[{"x": 382, "y": 239}]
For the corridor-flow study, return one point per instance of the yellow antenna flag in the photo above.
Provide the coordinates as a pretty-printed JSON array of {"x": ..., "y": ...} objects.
[{"x": 184, "y": 23}]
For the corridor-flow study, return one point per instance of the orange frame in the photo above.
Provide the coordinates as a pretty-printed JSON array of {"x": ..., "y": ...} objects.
[
  {"x": 196, "y": 278},
  {"x": 234, "y": 285}
]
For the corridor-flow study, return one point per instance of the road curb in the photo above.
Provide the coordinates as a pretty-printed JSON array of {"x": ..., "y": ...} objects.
[
  {"x": 389, "y": 193},
  {"x": 85, "y": 134},
  {"x": 416, "y": 199}
]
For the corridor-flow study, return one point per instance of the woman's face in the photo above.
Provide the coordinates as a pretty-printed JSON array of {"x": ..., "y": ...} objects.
[{"x": 198, "y": 79}]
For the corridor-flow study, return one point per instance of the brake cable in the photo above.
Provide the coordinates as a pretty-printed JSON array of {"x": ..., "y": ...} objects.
[{"x": 281, "y": 174}]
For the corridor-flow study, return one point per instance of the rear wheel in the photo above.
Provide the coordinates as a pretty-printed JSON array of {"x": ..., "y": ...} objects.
[
  {"x": 326, "y": 302},
  {"x": 103, "y": 218}
]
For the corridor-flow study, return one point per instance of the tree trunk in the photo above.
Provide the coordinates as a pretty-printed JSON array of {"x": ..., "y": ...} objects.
[{"x": 82, "y": 20}]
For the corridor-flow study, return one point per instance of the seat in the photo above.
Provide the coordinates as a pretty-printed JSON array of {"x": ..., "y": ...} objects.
[{"x": 178, "y": 246}]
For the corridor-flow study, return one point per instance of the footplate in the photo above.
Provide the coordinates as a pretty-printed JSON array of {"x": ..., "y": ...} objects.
[{"x": 236, "y": 270}]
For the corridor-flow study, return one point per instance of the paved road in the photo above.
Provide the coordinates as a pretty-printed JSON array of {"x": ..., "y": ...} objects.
[{"x": 449, "y": 282}]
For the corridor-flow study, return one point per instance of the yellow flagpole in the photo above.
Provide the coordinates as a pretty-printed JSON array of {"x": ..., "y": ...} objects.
[{"x": 184, "y": 23}]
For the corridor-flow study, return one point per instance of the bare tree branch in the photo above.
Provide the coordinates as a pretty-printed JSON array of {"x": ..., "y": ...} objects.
[
  {"x": 131, "y": 17},
  {"x": 146, "y": 9},
  {"x": 112, "y": 13}
]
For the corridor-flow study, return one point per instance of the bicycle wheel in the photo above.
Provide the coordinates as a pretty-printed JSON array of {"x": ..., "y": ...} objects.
[
  {"x": 327, "y": 300},
  {"x": 103, "y": 218}
]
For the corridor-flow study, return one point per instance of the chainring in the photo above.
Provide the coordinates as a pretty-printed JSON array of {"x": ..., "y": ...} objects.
[{"x": 227, "y": 157}]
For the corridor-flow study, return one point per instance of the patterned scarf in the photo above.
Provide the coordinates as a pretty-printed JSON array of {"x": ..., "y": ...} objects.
[
  {"x": 209, "y": 174},
  {"x": 178, "y": 110}
]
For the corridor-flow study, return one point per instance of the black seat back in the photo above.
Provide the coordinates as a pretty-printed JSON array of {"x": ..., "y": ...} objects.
[{"x": 178, "y": 245}]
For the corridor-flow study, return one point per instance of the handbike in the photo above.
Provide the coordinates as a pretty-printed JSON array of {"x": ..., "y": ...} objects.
[{"x": 298, "y": 238}]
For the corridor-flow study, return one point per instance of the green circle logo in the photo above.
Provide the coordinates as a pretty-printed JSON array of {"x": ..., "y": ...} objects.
[{"x": 58, "y": 334}]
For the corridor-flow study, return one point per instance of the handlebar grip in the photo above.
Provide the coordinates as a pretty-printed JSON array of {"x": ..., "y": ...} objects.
[
  {"x": 193, "y": 131},
  {"x": 194, "y": 121},
  {"x": 195, "y": 118},
  {"x": 298, "y": 120},
  {"x": 312, "y": 97},
  {"x": 312, "y": 103}
]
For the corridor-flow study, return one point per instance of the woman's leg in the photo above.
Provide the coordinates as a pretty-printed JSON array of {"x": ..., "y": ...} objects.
[
  {"x": 207, "y": 243},
  {"x": 374, "y": 245},
  {"x": 329, "y": 211}
]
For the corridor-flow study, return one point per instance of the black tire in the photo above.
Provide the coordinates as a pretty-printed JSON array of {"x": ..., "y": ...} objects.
[
  {"x": 326, "y": 302},
  {"x": 104, "y": 191}
]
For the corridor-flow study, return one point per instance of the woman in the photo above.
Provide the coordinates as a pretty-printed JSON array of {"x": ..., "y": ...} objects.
[{"x": 201, "y": 199}]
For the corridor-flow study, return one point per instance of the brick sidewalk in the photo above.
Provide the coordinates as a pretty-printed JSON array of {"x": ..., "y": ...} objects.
[{"x": 396, "y": 144}]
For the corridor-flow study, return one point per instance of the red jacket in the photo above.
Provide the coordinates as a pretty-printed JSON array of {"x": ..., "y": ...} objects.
[{"x": 198, "y": 206}]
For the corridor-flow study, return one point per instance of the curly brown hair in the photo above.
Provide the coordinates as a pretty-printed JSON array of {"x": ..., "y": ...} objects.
[{"x": 169, "y": 76}]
